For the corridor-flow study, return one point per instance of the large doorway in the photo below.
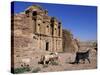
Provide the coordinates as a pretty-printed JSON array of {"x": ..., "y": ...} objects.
[{"x": 47, "y": 46}]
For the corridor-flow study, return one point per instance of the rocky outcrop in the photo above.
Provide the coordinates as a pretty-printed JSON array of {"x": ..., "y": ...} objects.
[{"x": 69, "y": 43}]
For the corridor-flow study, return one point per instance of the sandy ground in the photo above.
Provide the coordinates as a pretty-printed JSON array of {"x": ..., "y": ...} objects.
[{"x": 63, "y": 63}]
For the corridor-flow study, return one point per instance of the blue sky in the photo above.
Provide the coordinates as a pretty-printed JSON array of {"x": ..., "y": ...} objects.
[{"x": 80, "y": 20}]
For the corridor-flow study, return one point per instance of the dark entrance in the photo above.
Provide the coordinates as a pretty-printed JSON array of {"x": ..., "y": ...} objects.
[{"x": 47, "y": 46}]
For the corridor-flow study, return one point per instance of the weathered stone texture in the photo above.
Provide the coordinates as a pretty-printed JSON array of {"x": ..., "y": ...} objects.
[
  {"x": 32, "y": 31},
  {"x": 69, "y": 43}
]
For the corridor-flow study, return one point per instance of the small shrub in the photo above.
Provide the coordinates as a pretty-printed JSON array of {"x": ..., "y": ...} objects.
[
  {"x": 27, "y": 69},
  {"x": 54, "y": 63},
  {"x": 21, "y": 70},
  {"x": 36, "y": 70},
  {"x": 44, "y": 66}
]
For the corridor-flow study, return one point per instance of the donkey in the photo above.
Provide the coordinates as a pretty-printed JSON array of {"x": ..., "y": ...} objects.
[{"x": 83, "y": 56}]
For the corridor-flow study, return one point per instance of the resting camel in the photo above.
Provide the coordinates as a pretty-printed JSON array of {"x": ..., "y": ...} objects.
[{"x": 46, "y": 59}]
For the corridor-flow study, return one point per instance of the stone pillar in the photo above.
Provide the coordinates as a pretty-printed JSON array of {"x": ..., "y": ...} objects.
[{"x": 60, "y": 31}]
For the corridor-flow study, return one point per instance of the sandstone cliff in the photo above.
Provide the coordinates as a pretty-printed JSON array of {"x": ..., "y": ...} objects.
[{"x": 69, "y": 43}]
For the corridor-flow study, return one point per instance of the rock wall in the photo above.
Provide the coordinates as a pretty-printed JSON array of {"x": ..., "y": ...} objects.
[
  {"x": 69, "y": 43},
  {"x": 21, "y": 40}
]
